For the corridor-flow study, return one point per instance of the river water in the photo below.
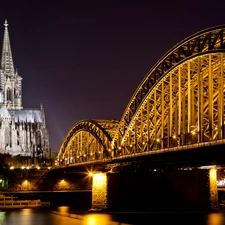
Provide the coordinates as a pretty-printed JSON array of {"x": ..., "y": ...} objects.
[{"x": 64, "y": 216}]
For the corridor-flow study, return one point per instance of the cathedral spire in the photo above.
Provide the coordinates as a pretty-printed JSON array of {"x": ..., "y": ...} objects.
[{"x": 7, "y": 61}]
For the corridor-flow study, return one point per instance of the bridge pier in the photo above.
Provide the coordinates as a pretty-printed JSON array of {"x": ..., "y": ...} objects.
[
  {"x": 213, "y": 189},
  {"x": 99, "y": 192},
  {"x": 155, "y": 190}
]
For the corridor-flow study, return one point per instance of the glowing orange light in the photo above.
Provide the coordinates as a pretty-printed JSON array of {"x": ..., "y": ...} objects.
[
  {"x": 25, "y": 184},
  {"x": 100, "y": 178},
  {"x": 63, "y": 209}
]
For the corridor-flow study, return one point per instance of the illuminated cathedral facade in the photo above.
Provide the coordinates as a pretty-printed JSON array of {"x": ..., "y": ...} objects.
[{"x": 22, "y": 131}]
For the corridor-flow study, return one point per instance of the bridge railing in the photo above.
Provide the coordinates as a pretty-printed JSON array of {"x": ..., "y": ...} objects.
[{"x": 173, "y": 149}]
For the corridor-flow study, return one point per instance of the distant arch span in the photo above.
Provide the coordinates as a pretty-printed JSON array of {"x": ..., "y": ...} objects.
[{"x": 88, "y": 140}]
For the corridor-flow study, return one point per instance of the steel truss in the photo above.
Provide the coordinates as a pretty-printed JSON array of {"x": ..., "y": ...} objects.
[
  {"x": 179, "y": 102},
  {"x": 88, "y": 140},
  {"x": 181, "y": 99},
  {"x": 185, "y": 107}
]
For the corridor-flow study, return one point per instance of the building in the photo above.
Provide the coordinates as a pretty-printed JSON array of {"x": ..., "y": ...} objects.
[{"x": 22, "y": 131}]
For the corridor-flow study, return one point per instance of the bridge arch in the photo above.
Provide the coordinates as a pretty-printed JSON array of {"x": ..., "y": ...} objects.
[
  {"x": 180, "y": 101},
  {"x": 88, "y": 140}
]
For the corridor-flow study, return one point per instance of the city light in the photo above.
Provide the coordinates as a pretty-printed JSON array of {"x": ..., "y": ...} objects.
[
  {"x": 25, "y": 185},
  {"x": 63, "y": 184},
  {"x": 207, "y": 167},
  {"x": 221, "y": 183},
  {"x": 99, "y": 178}
]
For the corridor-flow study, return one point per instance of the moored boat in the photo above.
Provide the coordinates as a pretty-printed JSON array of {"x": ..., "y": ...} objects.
[{"x": 10, "y": 202}]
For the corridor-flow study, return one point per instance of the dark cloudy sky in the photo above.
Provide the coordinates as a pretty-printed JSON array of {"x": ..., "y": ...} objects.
[{"x": 85, "y": 59}]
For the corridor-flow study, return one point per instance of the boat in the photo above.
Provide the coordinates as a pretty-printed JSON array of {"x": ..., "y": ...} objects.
[{"x": 11, "y": 202}]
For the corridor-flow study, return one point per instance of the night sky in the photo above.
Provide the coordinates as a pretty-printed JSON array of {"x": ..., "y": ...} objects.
[{"x": 85, "y": 59}]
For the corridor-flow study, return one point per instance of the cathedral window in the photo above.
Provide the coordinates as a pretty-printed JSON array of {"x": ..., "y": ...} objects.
[
  {"x": 1, "y": 97},
  {"x": 18, "y": 137},
  {"x": 38, "y": 139},
  {"x": 9, "y": 95},
  {"x": 7, "y": 136}
]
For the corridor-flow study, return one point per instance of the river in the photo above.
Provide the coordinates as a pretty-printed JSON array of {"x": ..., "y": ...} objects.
[{"x": 64, "y": 216}]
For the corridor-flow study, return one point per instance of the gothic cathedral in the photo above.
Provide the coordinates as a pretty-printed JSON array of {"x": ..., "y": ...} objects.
[{"x": 22, "y": 131}]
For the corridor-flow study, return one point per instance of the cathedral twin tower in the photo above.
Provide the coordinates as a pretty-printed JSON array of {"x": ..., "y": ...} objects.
[{"x": 22, "y": 131}]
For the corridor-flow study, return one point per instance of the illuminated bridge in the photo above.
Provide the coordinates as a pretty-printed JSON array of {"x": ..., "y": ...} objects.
[
  {"x": 177, "y": 108},
  {"x": 178, "y": 105}
]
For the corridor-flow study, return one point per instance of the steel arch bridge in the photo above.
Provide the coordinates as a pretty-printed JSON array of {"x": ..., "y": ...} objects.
[
  {"x": 180, "y": 102},
  {"x": 88, "y": 140}
]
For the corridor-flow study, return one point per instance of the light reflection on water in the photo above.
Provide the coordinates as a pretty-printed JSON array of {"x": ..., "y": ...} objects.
[
  {"x": 65, "y": 216},
  {"x": 215, "y": 219},
  {"x": 63, "y": 209},
  {"x": 156, "y": 218},
  {"x": 98, "y": 219}
]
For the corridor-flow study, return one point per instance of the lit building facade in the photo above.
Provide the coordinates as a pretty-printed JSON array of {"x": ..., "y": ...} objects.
[{"x": 22, "y": 131}]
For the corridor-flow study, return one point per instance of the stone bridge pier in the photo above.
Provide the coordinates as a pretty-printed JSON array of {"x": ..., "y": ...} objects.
[{"x": 155, "y": 190}]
